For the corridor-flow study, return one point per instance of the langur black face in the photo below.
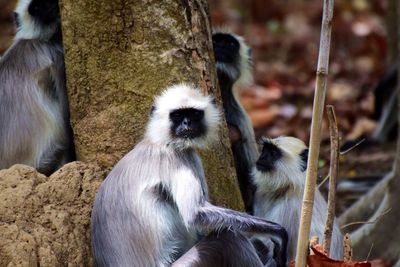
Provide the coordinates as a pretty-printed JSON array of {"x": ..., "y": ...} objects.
[
  {"x": 270, "y": 154},
  {"x": 38, "y": 19},
  {"x": 187, "y": 123},
  {"x": 44, "y": 12},
  {"x": 226, "y": 49}
]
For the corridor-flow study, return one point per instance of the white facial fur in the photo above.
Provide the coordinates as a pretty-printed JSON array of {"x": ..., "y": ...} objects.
[
  {"x": 176, "y": 97},
  {"x": 29, "y": 29},
  {"x": 287, "y": 169}
]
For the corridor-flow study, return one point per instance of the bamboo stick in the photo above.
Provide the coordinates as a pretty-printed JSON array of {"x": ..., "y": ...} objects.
[
  {"x": 318, "y": 109},
  {"x": 347, "y": 249},
  {"x": 333, "y": 173}
]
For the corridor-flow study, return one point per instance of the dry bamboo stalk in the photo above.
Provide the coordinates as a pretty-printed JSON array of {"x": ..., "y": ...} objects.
[
  {"x": 318, "y": 109},
  {"x": 333, "y": 173},
  {"x": 314, "y": 241},
  {"x": 347, "y": 249}
]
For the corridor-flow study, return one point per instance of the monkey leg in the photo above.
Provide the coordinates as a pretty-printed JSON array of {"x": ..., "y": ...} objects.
[{"x": 223, "y": 249}]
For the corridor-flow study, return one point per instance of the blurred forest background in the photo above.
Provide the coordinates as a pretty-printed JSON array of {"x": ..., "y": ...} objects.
[{"x": 284, "y": 36}]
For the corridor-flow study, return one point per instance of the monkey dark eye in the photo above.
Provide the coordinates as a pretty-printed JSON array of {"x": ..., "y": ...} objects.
[
  {"x": 176, "y": 116},
  {"x": 198, "y": 114}
]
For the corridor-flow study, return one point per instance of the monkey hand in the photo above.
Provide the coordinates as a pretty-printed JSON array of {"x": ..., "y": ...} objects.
[{"x": 234, "y": 134}]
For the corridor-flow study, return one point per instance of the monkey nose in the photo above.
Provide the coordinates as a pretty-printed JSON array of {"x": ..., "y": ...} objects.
[{"x": 186, "y": 122}]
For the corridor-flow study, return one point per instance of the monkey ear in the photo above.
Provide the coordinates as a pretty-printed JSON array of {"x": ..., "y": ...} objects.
[
  {"x": 249, "y": 53},
  {"x": 249, "y": 56},
  {"x": 304, "y": 159},
  {"x": 17, "y": 20},
  {"x": 152, "y": 109}
]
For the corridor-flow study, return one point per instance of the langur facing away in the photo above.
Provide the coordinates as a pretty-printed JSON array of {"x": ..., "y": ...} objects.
[
  {"x": 233, "y": 59},
  {"x": 153, "y": 206}
]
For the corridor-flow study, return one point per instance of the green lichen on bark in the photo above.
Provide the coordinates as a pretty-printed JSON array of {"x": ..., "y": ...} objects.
[{"x": 119, "y": 54}]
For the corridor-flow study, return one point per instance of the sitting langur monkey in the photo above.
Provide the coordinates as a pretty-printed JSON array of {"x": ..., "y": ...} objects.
[
  {"x": 34, "y": 114},
  {"x": 153, "y": 205},
  {"x": 233, "y": 58},
  {"x": 280, "y": 179}
]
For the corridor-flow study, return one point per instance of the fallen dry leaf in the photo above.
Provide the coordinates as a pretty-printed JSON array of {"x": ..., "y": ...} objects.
[{"x": 319, "y": 259}]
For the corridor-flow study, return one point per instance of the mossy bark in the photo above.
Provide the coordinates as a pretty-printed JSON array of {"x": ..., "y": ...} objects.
[{"x": 119, "y": 54}]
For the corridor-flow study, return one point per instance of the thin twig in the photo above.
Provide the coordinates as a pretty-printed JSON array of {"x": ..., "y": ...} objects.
[
  {"x": 333, "y": 173},
  {"x": 341, "y": 153},
  {"x": 323, "y": 181},
  {"x": 351, "y": 148},
  {"x": 315, "y": 134},
  {"x": 369, "y": 252},
  {"x": 347, "y": 249},
  {"x": 368, "y": 222}
]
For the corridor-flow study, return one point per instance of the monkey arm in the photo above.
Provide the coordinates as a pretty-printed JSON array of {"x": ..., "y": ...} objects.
[
  {"x": 190, "y": 199},
  {"x": 195, "y": 210},
  {"x": 214, "y": 217},
  {"x": 210, "y": 217}
]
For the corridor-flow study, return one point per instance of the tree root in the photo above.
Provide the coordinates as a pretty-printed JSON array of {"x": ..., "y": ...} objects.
[{"x": 366, "y": 206}]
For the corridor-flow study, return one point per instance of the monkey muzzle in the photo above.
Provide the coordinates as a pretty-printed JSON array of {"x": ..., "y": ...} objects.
[
  {"x": 186, "y": 132},
  {"x": 264, "y": 165}
]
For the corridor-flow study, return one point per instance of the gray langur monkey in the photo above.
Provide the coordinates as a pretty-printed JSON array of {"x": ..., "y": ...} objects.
[
  {"x": 152, "y": 208},
  {"x": 34, "y": 112},
  {"x": 280, "y": 179},
  {"x": 233, "y": 59}
]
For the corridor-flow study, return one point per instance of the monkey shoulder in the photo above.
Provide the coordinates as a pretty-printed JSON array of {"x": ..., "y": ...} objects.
[{"x": 157, "y": 166}]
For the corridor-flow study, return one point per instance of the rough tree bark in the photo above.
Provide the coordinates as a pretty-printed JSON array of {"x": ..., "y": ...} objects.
[
  {"x": 119, "y": 54},
  {"x": 384, "y": 235}
]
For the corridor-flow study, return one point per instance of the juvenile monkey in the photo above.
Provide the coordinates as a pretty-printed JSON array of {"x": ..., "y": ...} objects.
[
  {"x": 34, "y": 110},
  {"x": 280, "y": 178},
  {"x": 153, "y": 206},
  {"x": 233, "y": 58}
]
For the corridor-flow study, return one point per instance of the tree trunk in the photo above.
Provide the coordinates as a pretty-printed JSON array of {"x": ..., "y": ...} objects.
[
  {"x": 366, "y": 206},
  {"x": 119, "y": 54},
  {"x": 384, "y": 235}
]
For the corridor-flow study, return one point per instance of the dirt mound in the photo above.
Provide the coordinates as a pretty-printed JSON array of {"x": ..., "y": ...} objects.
[{"x": 46, "y": 221}]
